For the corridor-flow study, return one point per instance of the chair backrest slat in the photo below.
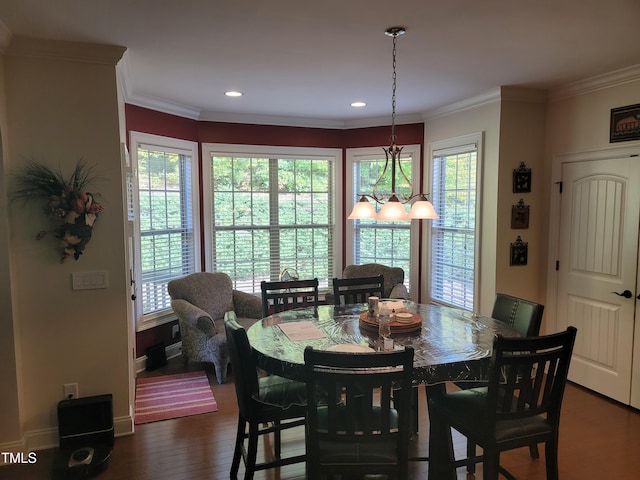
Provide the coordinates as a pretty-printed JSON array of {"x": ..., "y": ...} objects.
[
  {"x": 357, "y": 290},
  {"x": 358, "y": 398},
  {"x": 286, "y": 295},
  {"x": 536, "y": 371}
]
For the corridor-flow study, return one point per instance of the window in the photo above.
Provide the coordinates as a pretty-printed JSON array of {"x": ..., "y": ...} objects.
[
  {"x": 270, "y": 209},
  {"x": 167, "y": 224},
  {"x": 453, "y": 235},
  {"x": 387, "y": 243}
]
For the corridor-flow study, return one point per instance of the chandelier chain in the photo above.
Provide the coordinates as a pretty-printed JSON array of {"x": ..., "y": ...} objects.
[{"x": 393, "y": 93}]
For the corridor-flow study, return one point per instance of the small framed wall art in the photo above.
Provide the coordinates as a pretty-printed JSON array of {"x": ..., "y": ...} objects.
[
  {"x": 519, "y": 252},
  {"x": 625, "y": 124},
  {"x": 520, "y": 215},
  {"x": 522, "y": 179}
]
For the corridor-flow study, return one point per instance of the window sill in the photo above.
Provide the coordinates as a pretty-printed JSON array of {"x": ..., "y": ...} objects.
[{"x": 155, "y": 319}]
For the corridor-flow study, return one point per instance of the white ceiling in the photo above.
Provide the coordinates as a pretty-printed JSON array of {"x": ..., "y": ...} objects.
[{"x": 297, "y": 59}]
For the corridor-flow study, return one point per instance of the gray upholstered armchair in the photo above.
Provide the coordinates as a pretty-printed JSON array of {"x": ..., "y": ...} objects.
[
  {"x": 200, "y": 301},
  {"x": 393, "y": 279}
]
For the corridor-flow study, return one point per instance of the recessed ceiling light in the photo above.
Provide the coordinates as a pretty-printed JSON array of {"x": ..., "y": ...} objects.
[
  {"x": 358, "y": 104},
  {"x": 233, "y": 93}
]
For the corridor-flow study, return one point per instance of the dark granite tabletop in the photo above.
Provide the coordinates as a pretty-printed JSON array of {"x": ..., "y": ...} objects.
[{"x": 452, "y": 345}]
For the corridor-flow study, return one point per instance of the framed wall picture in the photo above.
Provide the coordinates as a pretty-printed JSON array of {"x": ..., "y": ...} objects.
[
  {"x": 520, "y": 215},
  {"x": 521, "y": 179},
  {"x": 625, "y": 124},
  {"x": 519, "y": 252}
]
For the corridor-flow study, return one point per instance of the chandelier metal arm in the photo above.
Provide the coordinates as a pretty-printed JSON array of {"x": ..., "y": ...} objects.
[{"x": 403, "y": 199}]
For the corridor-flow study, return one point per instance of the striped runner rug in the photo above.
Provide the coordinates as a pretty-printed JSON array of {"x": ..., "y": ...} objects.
[{"x": 173, "y": 396}]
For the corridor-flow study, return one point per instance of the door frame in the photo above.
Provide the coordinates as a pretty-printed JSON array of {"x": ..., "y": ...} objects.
[{"x": 605, "y": 153}]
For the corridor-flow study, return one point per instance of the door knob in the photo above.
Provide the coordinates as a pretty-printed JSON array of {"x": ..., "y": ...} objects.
[{"x": 625, "y": 294}]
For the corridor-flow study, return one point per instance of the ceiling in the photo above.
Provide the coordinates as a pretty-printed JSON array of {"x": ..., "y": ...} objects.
[{"x": 308, "y": 61}]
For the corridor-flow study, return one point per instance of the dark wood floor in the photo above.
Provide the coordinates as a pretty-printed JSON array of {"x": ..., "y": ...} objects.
[{"x": 599, "y": 439}]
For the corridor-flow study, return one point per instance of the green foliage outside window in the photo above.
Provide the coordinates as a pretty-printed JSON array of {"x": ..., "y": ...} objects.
[{"x": 272, "y": 214}]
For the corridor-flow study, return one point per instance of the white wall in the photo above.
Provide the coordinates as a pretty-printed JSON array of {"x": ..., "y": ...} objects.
[
  {"x": 522, "y": 139},
  {"x": 62, "y": 106}
]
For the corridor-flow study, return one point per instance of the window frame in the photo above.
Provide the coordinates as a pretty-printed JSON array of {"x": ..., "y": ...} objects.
[
  {"x": 435, "y": 147},
  {"x": 356, "y": 154},
  {"x": 149, "y": 320},
  {"x": 271, "y": 151}
]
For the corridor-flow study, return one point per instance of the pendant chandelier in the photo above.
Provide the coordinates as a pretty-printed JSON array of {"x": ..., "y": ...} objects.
[{"x": 393, "y": 209}]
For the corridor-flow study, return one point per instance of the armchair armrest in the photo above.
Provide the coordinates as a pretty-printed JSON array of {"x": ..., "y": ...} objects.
[
  {"x": 194, "y": 316},
  {"x": 247, "y": 305},
  {"x": 399, "y": 291}
]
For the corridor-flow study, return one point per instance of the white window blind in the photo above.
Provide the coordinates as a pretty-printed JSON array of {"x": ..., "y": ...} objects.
[
  {"x": 167, "y": 230},
  {"x": 453, "y": 235},
  {"x": 270, "y": 214}
]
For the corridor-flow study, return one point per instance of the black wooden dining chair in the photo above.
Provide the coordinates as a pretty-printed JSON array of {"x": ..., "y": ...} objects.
[
  {"x": 286, "y": 295},
  {"x": 352, "y": 426},
  {"x": 510, "y": 413},
  {"x": 525, "y": 317},
  {"x": 265, "y": 404},
  {"x": 357, "y": 290}
]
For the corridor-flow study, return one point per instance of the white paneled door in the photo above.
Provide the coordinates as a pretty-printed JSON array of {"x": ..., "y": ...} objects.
[{"x": 598, "y": 265}]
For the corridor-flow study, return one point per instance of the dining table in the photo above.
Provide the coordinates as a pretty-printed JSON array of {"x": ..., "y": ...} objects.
[{"x": 450, "y": 344}]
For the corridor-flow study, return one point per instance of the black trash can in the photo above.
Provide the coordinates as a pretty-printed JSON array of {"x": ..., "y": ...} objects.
[{"x": 85, "y": 429}]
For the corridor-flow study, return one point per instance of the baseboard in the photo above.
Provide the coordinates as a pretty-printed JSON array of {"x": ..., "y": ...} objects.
[
  {"x": 173, "y": 350},
  {"x": 48, "y": 437}
]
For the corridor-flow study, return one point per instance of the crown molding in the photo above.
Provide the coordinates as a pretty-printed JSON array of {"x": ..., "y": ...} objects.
[
  {"x": 164, "y": 106},
  {"x": 123, "y": 73},
  {"x": 270, "y": 120},
  {"x": 506, "y": 93},
  {"x": 473, "y": 102},
  {"x": 404, "y": 119},
  {"x": 65, "y": 51},
  {"x": 161, "y": 105},
  {"x": 308, "y": 122},
  {"x": 598, "y": 82}
]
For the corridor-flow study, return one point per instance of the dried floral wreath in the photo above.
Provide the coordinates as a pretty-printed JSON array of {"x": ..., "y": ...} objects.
[{"x": 70, "y": 206}]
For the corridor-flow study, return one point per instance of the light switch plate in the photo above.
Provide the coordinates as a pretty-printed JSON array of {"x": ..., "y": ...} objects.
[{"x": 90, "y": 280}]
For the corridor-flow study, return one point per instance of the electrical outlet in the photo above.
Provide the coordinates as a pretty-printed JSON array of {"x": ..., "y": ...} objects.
[
  {"x": 70, "y": 390},
  {"x": 175, "y": 331}
]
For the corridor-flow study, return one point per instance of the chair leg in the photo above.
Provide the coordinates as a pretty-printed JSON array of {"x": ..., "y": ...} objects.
[
  {"x": 471, "y": 453},
  {"x": 441, "y": 453},
  {"x": 533, "y": 451},
  {"x": 490, "y": 465},
  {"x": 252, "y": 451},
  {"x": 237, "y": 451},
  {"x": 551, "y": 459},
  {"x": 277, "y": 439},
  {"x": 414, "y": 409}
]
